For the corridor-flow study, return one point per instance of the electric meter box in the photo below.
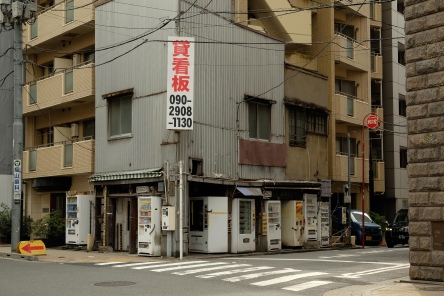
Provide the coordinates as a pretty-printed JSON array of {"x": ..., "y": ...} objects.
[{"x": 169, "y": 218}]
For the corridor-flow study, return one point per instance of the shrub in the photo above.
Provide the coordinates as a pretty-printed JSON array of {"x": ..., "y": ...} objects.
[
  {"x": 6, "y": 224},
  {"x": 51, "y": 226},
  {"x": 379, "y": 219}
]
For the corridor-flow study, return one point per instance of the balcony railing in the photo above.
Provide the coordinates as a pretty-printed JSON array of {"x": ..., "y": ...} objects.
[
  {"x": 376, "y": 65},
  {"x": 58, "y": 159},
  {"x": 375, "y": 14},
  {"x": 351, "y": 53},
  {"x": 63, "y": 19},
  {"x": 63, "y": 87},
  {"x": 341, "y": 168},
  {"x": 379, "y": 175},
  {"x": 350, "y": 109},
  {"x": 361, "y": 10}
]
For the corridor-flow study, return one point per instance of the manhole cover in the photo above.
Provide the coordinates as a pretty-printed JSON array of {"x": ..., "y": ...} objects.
[
  {"x": 432, "y": 288},
  {"x": 114, "y": 284}
]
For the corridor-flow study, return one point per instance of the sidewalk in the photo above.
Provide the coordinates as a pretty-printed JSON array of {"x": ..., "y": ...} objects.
[{"x": 402, "y": 286}]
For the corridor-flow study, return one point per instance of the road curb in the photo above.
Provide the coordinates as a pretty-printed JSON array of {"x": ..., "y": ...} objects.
[{"x": 19, "y": 256}]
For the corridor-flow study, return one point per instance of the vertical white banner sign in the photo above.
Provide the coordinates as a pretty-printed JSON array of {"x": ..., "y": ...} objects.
[{"x": 180, "y": 83}]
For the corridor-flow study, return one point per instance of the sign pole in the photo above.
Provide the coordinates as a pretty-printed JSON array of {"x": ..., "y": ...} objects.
[{"x": 371, "y": 120}]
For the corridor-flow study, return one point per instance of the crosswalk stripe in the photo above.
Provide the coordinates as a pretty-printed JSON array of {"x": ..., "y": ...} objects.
[
  {"x": 259, "y": 274},
  {"x": 167, "y": 264},
  {"x": 192, "y": 271},
  {"x": 187, "y": 266},
  {"x": 355, "y": 275},
  {"x": 306, "y": 285},
  {"x": 287, "y": 278},
  {"x": 107, "y": 263},
  {"x": 228, "y": 272},
  {"x": 136, "y": 264}
]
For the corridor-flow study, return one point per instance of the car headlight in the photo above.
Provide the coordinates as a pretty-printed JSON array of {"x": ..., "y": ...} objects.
[{"x": 388, "y": 229}]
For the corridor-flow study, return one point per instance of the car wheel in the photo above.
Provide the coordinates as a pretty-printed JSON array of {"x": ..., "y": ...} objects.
[{"x": 390, "y": 245}]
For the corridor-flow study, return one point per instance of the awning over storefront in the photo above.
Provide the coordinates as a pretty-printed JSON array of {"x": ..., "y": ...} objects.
[
  {"x": 127, "y": 175},
  {"x": 250, "y": 191}
]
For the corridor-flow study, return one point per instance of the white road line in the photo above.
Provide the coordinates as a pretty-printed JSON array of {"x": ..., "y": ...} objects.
[
  {"x": 209, "y": 269},
  {"x": 136, "y": 264},
  {"x": 259, "y": 274},
  {"x": 168, "y": 264},
  {"x": 356, "y": 275},
  {"x": 228, "y": 272},
  {"x": 187, "y": 266},
  {"x": 306, "y": 285},
  {"x": 107, "y": 263},
  {"x": 311, "y": 260},
  {"x": 287, "y": 278},
  {"x": 339, "y": 256}
]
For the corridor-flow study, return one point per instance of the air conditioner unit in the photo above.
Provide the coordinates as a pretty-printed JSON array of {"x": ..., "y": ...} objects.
[
  {"x": 76, "y": 59},
  {"x": 74, "y": 130},
  {"x": 5, "y": 2},
  {"x": 142, "y": 189}
]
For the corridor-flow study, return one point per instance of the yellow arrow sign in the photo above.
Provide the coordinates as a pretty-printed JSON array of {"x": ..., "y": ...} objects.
[{"x": 34, "y": 247}]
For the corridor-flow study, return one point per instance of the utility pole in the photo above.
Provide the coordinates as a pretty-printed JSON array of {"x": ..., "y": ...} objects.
[{"x": 16, "y": 14}]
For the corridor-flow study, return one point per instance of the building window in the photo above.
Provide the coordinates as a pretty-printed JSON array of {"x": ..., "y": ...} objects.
[
  {"x": 69, "y": 13},
  {"x": 259, "y": 120},
  {"x": 342, "y": 146},
  {"x": 32, "y": 160},
  {"x": 403, "y": 158},
  {"x": 120, "y": 115},
  {"x": 35, "y": 29},
  {"x": 401, "y": 54},
  {"x": 400, "y": 7},
  {"x": 89, "y": 129},
  {"x": 32, "y": 93},
  {"x": 297, "y": 127},
  {"x": 402, "y": 106},
  {"x": 317, "y": 123},
  {"x": 69, "y": 82},
  {"x": 68, "y": 155}
]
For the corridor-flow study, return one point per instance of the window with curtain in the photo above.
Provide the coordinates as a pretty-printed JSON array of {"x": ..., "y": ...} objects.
[
  {"x": 259, "y": 120},
  {"x": 120, "y": 115}
]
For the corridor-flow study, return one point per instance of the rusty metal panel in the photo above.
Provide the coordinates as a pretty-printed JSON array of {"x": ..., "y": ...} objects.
[{"x": 262, "y": 153}]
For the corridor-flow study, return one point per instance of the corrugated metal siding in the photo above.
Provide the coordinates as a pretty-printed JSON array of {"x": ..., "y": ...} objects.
[{"x": 224, "y": 74}]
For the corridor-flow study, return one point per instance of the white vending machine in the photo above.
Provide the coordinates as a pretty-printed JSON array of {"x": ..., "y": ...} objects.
[
  {"x": 273, "y": 212},
  {"x": 311, "y": 217},
  {"x": 324, "y": 225},
  {"x": 79, "y": 219},
  {"x": 243, "y": 228},
  {"x": 208, "y": 224},
  {"x": 292, "y": 223},
  {"x": 150, "y": 227}
]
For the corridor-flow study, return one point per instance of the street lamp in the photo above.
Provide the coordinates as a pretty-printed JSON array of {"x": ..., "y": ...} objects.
[{"x": 371, "y": 120}]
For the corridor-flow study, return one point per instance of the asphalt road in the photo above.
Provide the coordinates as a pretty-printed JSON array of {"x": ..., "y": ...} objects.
[{"x": 308, "y": 273}]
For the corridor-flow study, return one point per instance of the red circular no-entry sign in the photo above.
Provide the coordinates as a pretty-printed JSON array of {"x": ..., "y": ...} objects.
[{"x": 372, "y": 121}]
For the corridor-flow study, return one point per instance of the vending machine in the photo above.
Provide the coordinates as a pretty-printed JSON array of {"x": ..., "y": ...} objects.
[
  {"x": 292, "y": 223},
  {"x": 79, "y": 219},
  {"x": 243, "y": 228},
  {"x": 150, "y": 227},
  {"x": 311, "y": 217},
  {"x": 208, "y": 224},
  {"x": 324, "y": 225},
  {"x": 273, "y": 211}
]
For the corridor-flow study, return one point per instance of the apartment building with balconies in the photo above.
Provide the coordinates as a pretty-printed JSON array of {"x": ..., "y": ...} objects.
[
  {"x": 340, "y": 40},
  {"x": 58, "y": 104},
  {"x": 394, "y": 102}
]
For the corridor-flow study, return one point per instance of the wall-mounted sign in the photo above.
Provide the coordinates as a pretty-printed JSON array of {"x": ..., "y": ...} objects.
[
  {"x": 180, "y": 83},
  {"x": 17, "y": 179}
]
